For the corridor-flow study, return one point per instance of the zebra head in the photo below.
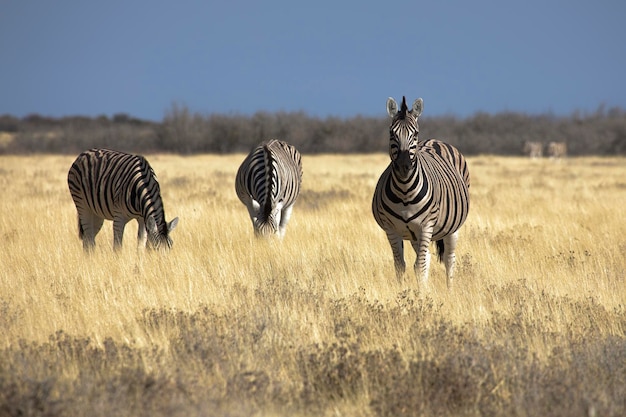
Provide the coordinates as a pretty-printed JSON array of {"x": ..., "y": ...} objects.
[
  {"x": 159, "y": 239},
  {"x": 266, "y": 219},
  {"x": 403, "y": 135}
]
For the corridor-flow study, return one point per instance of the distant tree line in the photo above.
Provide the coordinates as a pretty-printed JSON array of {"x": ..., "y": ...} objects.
[{"x": 182, "y": 131}]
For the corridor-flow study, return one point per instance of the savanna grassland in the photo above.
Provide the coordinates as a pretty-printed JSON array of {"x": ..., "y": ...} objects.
[{"x": 317, "y": 325}]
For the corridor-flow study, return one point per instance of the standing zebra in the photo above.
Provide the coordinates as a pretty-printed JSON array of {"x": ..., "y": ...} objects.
[
  {"x": 557, "y": 150},
  {"x": 533, "y": 149},
  {"x": 423, "y": 195},
  {"x": 112, "y": 185},
  {"x": 268, "y": 183}
]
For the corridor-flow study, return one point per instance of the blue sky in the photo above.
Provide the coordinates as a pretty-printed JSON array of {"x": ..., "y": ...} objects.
[{"x": 326, "y": 58}]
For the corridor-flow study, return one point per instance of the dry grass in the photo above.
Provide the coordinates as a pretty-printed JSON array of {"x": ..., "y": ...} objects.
[{"x": 317, "y": 324}]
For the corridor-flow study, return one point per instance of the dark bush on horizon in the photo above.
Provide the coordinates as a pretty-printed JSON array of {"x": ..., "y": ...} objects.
[{"x": 182, "y": 131}]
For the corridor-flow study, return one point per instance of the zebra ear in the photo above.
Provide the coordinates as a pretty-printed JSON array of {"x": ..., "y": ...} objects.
[
  {"x": 392, "y": 107},
  {"x": 151, "y": 225},
  {"x": 172, "y": 225},
  {"x": 418, "y": 106}
]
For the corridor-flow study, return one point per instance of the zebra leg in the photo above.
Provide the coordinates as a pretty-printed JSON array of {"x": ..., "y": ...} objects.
[
  {"x": 449, "y": 257},
  {"x": 422, "y": 262},
  {"x": 142, "y": 236},
  {"x": 253, "y": 207},
  {"x": 89, "y": 225},
  {"x": 118, "y": 231},
  {"x": 284, "y": 219},
  {"x": 397, "y": 247}
]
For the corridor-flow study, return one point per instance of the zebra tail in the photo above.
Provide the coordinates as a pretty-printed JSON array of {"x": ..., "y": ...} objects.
[
  {"x": 440, "y": 248},
  {"x": 269, "y": 180},
  {"x": 81, "y": 231}
]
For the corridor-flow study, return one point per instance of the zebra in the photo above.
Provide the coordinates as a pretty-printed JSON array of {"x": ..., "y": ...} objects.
[
  {"x": 423, "y": 195},
  {"x": 112, "y": 185},
  {"x": 268, "y": 183},
  {"x": 557, "y": 150},
  {"x": 533, "y": 149}
]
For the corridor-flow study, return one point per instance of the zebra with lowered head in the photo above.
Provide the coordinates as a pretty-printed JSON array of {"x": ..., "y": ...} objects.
[
  {"x": 423, "y": 195},
  {"x": 112, "y": 185},
  {"x": 268, "y": 183}
]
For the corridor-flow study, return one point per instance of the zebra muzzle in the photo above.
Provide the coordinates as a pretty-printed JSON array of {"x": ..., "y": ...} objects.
[{"x": 402, "y": 165}]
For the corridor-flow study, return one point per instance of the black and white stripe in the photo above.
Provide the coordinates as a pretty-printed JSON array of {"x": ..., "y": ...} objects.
[
  {"x": 423, "y": 195},
  {"x": 112, "y": 185},
  {"x": 268, "y": 183}
]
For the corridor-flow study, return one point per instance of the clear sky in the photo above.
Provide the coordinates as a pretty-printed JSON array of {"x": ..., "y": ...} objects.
[{"x": 326, "y": 58}]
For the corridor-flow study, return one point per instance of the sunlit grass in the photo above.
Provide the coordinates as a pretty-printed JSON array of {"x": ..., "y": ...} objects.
[{"x": 318, "y": 319}]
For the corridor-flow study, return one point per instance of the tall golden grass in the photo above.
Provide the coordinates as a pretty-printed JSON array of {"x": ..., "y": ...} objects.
[{"x": 317, "y": 324}]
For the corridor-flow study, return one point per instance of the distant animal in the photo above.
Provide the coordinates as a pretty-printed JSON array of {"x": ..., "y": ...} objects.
[
  {"x": 111, "y": 185},
  {"x": 268, "y": 183},
  {"x": 557, "y": 150},
  {"x": 423, "y": 195},
  {"x": 533, "y": 149}
]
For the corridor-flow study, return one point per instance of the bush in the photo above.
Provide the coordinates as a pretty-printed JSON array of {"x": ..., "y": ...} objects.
[{"x": 184, "y": 132}]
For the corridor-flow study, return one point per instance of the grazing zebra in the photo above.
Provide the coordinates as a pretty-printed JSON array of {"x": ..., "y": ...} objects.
[
  {"x": 112, "y": 185},
  {"x": 533, "y": 149},
  {"x": 423, "y": 195},
  {"x": 557, "y": 150},
  {"x": 268, "y": 183}
]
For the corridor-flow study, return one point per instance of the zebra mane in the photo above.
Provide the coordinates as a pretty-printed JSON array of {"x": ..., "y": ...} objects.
[
  {"x": 403, "y": 109},
  {"x": 269, "y": 179},
  {"x": 404, "y": 119},
  {"x": 155, "y": 203}
]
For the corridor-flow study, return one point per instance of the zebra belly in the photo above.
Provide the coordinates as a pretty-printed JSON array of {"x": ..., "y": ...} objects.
[
  {"x": 409, "y": 226},
  {"x": 406, "y": 224},
  {"x": 113, "y": 212},
  {"x": 412, "y": 230}
]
